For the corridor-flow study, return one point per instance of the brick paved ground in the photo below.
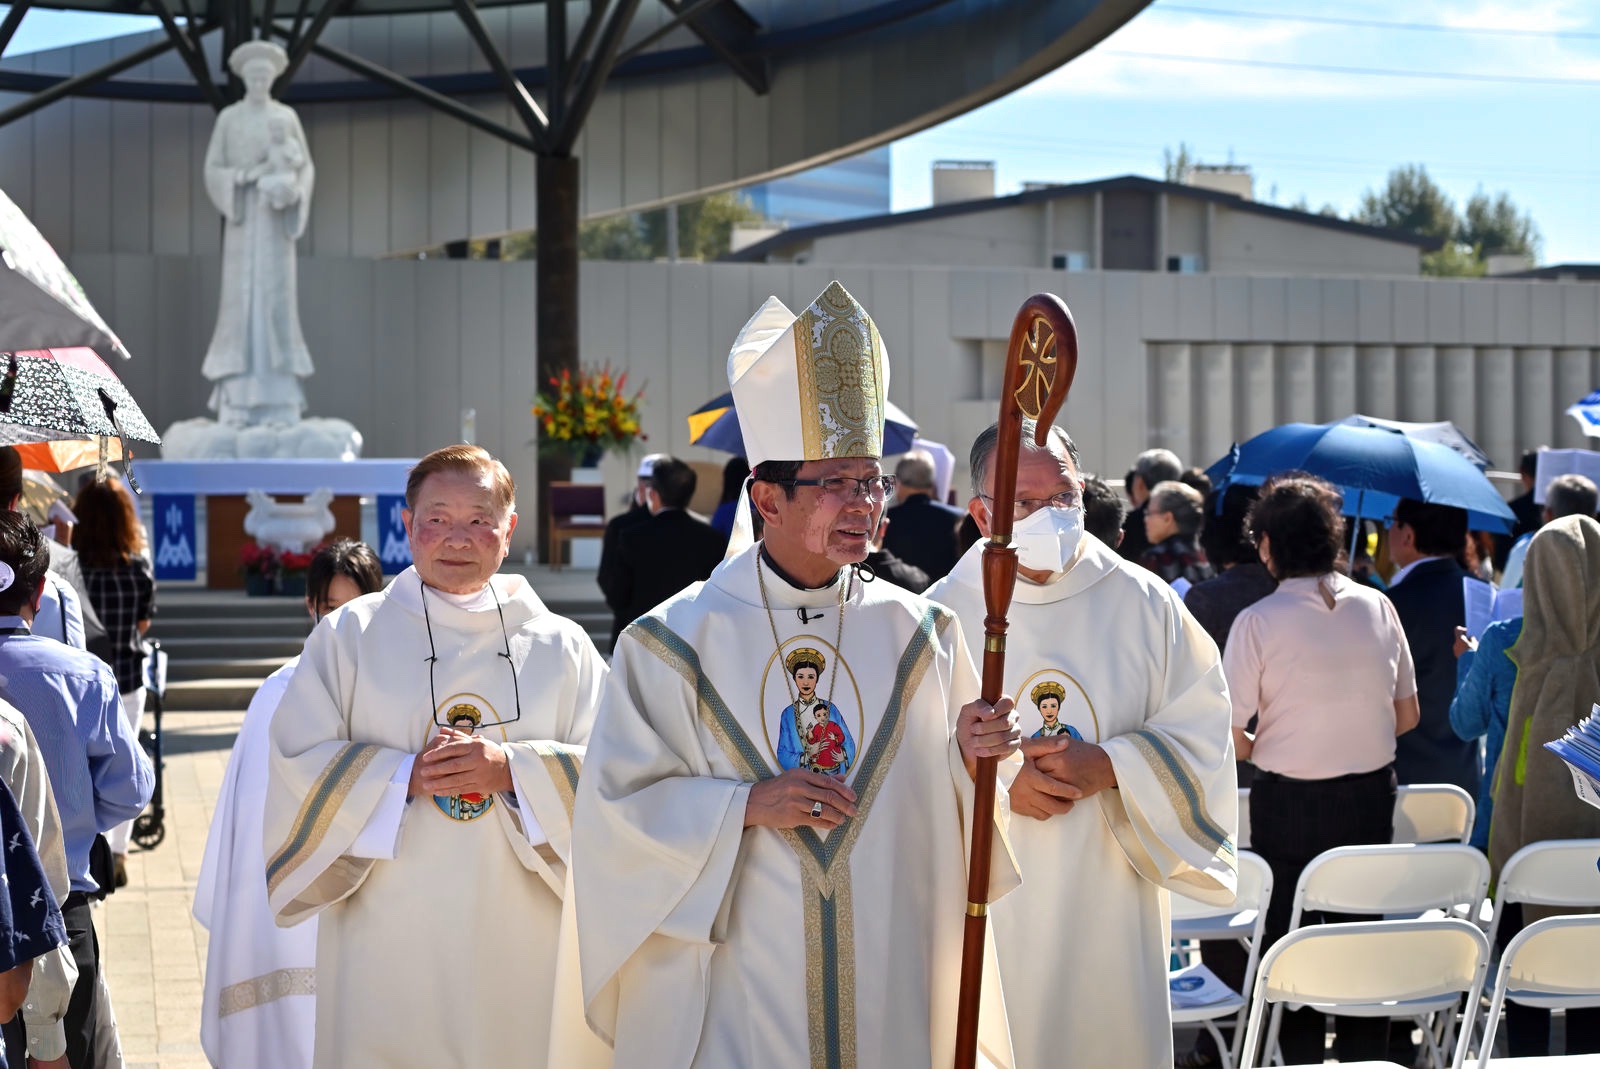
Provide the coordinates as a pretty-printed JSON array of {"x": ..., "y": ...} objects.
[{"x": 154, "y": 951}]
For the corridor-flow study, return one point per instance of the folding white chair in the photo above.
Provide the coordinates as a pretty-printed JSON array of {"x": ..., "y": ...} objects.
[
  {"x": 1433, "y": 813},
  {"x": 1372, "y": 969},
  {"x": 1396, "y": 879},
  {"x": 1244, "y": 921},
  {"x": 1553, "y": 964},
  {"x": 1556, "y": 872},
  {"x": 1242, "y": 840}
]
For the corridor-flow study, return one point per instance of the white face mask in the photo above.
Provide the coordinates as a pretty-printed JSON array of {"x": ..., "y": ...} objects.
[{"x": 1048, "y": 540}]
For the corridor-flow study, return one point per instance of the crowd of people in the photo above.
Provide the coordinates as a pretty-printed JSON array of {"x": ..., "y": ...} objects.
[
  {"x": 74, "y": 607},
  {"x": 741, "y": 840}
]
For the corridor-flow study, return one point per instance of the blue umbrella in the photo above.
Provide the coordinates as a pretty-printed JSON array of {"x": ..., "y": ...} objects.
[
  {"x": 1373, "y": 468},
  {"x": 715, "y": 425}
]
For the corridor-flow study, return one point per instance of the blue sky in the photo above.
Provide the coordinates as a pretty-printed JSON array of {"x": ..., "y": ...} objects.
[
  {"x": 1324, "y": 135},
  {"x": 1522, "y": 115}
]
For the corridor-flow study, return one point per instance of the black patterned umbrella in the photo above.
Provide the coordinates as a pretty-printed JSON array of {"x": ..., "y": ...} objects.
[{"x": 58, "y": 394}]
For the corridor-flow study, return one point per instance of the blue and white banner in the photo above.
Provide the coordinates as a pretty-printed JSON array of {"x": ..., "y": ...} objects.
[
  {"x": 174, "y": 535},
  {"x": 1587, "y": 413},
  {"x": 393, "y": 550}
]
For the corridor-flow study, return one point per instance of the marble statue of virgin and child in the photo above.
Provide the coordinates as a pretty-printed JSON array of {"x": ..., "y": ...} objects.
[{"x": 259, "y": 175}]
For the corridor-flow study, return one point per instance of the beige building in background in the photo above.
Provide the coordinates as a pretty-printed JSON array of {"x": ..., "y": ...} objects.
[{"x": 1118, "y": 224}]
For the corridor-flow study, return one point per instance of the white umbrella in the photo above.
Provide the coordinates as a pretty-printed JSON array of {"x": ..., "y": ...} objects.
[{"x": 41, "y": 304}]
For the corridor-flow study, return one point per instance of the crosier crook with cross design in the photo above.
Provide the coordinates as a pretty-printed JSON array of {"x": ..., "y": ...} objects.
[{"x": 1041, "y": 360}]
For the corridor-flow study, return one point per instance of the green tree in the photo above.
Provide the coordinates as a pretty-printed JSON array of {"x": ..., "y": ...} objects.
[
  {"x": 614, "y": 237},
  {"x": 1454, "y": 260},
  {"x": 1174, "y": 165},
  {"x": 1410, "y": 200},
  {"x": 705, "y": 227},
  {"x": 1495, "y": 226}
]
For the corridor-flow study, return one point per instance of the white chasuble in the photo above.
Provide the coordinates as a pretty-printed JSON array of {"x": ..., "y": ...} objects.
[
  {"x": 259, "y": 1005},
  {"x": 445, "y": 954},
  {"x": 1107, "y": 653},
  {"x": 708, "y": 944}
]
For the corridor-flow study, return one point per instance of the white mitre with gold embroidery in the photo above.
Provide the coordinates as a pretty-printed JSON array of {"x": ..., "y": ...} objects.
[{"x": 810, "y": 386}]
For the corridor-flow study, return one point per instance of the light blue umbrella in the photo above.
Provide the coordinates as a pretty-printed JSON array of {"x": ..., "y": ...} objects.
[
  {"x": 1587, "y": 413},
  {"x": 1373, "y": 467}
]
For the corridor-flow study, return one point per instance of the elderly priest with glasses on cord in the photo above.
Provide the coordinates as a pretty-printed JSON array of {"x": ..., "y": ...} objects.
[
  {"x": 423, "y": 764},
  {"x": 769, "y": 849}
]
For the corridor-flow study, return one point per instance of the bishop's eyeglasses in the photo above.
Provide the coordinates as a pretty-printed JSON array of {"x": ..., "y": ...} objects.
[
  {"x": 876, "y": 488},
  {"x": 433, "y": 658}
]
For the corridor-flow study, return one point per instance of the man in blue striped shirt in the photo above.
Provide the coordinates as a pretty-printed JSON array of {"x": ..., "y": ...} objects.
[{"x": 98, "y": 772}]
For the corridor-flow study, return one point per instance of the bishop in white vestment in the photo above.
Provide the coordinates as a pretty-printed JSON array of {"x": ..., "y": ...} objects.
[
  {"x": 424, "y": 760},
  {"x": 732, "y": 912},
  {"x": 1130, "y": 795}
]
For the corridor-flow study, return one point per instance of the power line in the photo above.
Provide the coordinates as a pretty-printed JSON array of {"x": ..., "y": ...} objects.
[
  {"x": 1384, "y": 24},
  {"x": 1381, "y": 72}
]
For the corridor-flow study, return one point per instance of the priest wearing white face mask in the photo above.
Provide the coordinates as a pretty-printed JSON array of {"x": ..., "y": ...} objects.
[
  {"x": 1144, "y": 800},
  {"x": 423, "y": 765}
]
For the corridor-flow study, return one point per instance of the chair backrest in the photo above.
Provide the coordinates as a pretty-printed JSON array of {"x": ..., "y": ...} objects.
[
  {"x": 1392, "y": 878},
  {"x": 1549, "y": 963},
  {"x": 1556, "y": 872},
  {"x": 577, "y": 499},
  {"x": 1370, "y": 962},
  {"x": 1255, "y": 892},
  {"x": 1242, "y": 840},
  {"x": 1433, "y": 813},
  {"x": 1555, "y": 956}
]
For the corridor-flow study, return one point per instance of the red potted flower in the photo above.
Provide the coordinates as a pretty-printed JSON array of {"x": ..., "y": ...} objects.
[{"x": 260, "y": 567}]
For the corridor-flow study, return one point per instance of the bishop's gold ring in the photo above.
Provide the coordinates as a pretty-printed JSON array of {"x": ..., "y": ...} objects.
[{"x": 816, "y": 809}]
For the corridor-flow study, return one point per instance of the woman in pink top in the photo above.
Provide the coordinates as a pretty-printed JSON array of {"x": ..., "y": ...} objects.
[{"x": 1322, "y": 664}]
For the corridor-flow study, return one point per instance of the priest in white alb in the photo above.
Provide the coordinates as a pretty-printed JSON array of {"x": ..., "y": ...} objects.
[
  {"x": 258, "y": 1009},
  {"x": 743, "y": 900},
  {"x": 422, "y": 775},
  {"x": 1127, "y": 789}
]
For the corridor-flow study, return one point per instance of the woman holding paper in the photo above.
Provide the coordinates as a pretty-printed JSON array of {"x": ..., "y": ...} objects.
[
  {"x": 1558, "y": 680},
  {"x": 1481, "y": 708}
]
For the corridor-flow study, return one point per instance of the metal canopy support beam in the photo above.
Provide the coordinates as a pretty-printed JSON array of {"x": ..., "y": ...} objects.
[
  {"x": 617, "y": 20},
  {"x": 580, "y": 50},
  {"x": 724, "y": 28},
  {"x": 192, "y": 57},
  {"x": 682, "y": 17},
  {"x": 68, "y": 86},
  {"x": 8, "y": 28},
  {"x": 522, "y": 101},
  {"x": 301, "y": 45},
  {"x": 267, "y": 13},
  {"x": 418, "y": 92},
  {"x": 555, "y": 51}
]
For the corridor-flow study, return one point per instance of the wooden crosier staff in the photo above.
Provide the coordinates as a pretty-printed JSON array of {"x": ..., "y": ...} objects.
[{"x": 1040, "y": 362}]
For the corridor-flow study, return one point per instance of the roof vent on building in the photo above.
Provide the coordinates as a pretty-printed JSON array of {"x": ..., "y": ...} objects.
[
  {"x": 1232, "y": 178},
  {"x": 956, "y": 180}
]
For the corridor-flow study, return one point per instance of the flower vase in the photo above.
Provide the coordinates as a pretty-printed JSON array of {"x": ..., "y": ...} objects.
[
  {"x": 292, "y": 586},
  {"x": 257, "y": 585},
  {"x": 588, "y": 457}
]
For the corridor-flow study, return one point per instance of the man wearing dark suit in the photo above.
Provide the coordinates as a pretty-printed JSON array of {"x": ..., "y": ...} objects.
[
  {"x": 1426, "y": 592},
  {"x": 922, "y": 531},
  {"x": 610, "y": 575},
  {"x": 669, "y": 550}
]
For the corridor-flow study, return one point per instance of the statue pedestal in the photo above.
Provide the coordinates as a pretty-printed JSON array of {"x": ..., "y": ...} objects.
[{"x": 174, "y": 484}]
